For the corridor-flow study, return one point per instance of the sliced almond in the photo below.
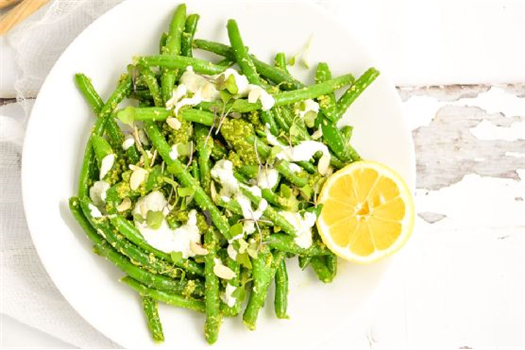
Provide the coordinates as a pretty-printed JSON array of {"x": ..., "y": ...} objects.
[
  {"x": 222, "y": 271},
  {"x": 323, "y": 165},
  {"x": 198, "y": 249},
  {"x": 124, "y": 205},
  {"x": 174, "y": 123},
  {"x": 137, "y": 178}
]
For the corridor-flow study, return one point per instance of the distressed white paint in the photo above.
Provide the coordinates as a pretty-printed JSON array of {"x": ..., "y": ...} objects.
[{"x": 488, "y": 131}]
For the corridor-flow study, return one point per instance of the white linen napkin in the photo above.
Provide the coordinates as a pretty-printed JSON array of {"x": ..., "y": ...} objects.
[{"x": 27, "y": 293}]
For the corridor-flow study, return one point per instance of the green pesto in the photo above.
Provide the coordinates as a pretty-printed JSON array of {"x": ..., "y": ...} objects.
[
  {"x": 182, "y": 135},
  {"x": 235, "y": 132}
]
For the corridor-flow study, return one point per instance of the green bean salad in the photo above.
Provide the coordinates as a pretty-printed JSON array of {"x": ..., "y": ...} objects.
[{"x": 205, "y": 186}]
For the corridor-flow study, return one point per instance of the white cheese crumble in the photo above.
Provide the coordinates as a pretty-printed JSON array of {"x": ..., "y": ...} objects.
[
  {"x": 174, "y": 153},
  {"x": 199, "y": 86},
  {"x": 107, "y": 164},
  {"x": 153, "y": 201},
  {"x": 222, "y": 172},
  {"x": 128, "y": 142},
  {"x": 167, "y": 240},
  {"x": 304, "y": 151},
  {"x": 308, "y": 106},
  {"x": 257, "y": 93},
  {"x": 227, "y": 297},
  {"x": 97, "y": 193},
  {"x": 94, "y": 211},
  {"x": 294, "y": 168},
  {"x": 267, "y": 178},
  {"x": 243, "y": 86},
  {"x": 303, "y": 226}
]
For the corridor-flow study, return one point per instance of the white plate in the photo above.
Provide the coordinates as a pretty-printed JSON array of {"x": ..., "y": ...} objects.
[{"x": 60, "y": 125}]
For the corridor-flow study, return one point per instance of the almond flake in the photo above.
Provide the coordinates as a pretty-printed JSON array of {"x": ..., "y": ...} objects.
[
  {"x": 198, "y": 249},
  {"x": 323, "y": 165},
  {"x": 222, "y": 271},
  {"x": 137, "y": 178},
  {"x": 124, "y": 205},
  {"x": 174, "y": 123}
]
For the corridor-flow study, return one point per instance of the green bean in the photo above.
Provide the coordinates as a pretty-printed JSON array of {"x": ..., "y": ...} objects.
[
  {"x": 304, "y": 261},
  {"x": 350, "y": 95},
  {"x": 78, "y": 214},
  {"x": 327, "y": 103},
  {"x": 152, "y": 318},
  {"x": 313, "y": 91},
  {"x": 327, "y": 117},
  {"x": 122, "y": 90},
  {"x": 204, "y": 147},
  {"x": 285, "y": 243},
  {"x": 270, "y": 213},
  {"x": 96, "y": 104},
  {"x": 153, "y": 85},
  {"x": 212, "y": 300},
  {"x": 280, "y": 61},
  {"x": 319, "y": 265},
  {"x": 190, "y": 28},
  {"x": 160, "y": 114},
  {"x": 268, "y": 118},
  {"x": 176, "y": 168},
  {"x": 281, "y": 290},
  {"x": 171, "y": 298},
  {"x": 235, "y": 281},
  {"x": 180, "y": 62},
  {"x": 226, "y": 62},
  {"x": 130, "y": 232},
  {"x": 186, "y": 287},
  {"x": 275, "y": 75},
  {"x": 347, "y": 131},
  {"x": 101, "y": 148},
  {"x": 263, "y": 271},
  {"x": 162, "y": 41},
  {"x": 124, "y": 247},
  {"x": 241, "y": 53},
  {"x": 172, "y": 49},
  {"x": 331, "y": 263},
  {"x": 309, "y": 167}
]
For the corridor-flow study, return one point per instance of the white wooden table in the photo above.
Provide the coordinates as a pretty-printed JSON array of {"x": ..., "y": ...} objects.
[{"x": 459, "y": 283}]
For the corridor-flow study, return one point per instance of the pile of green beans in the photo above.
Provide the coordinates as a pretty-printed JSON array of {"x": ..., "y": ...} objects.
[{"x": 133, "y": 161}]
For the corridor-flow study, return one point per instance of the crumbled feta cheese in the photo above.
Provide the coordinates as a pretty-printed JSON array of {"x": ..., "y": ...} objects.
[
  {"x": 222, "y": 172},
  {"x": 303, "y": 226},
  {"x": 153, "y": 201},
  {"x": 243, "y": 86},
  {"x": 176, "y": 95},
  {"x": 97, "y": 193},
  {"x": 294, "y": 168},
  {"x": 257, "y": 93},
  {"x": 107, "y": 164},
  {"x": 308, "y": 106},
  {"x": 128, "y": 142},
  {"x": 227, "y": 297},
  {"x": 94, "y": 211},
  {"x": 304, "y": 151},
  {"x": 267, "y": 178},
  {"x": 174, "y": 153},
  {"x": 167, "y": 240}
]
